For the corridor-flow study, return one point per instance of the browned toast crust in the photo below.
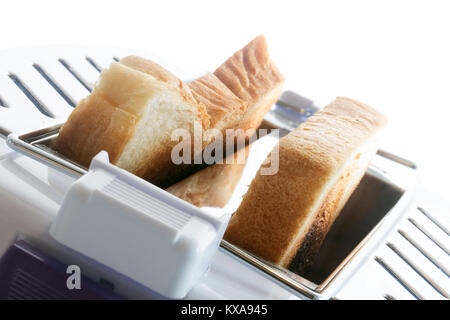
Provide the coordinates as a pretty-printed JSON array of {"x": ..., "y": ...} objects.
[{"x": 253, "y": 77}]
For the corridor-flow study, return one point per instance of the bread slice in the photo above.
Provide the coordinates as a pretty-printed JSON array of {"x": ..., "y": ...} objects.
[
  {"x": 238, "y": 94},
  {"x": 232, "y": 102},
  {"x": 253, "y": 77},
  {"x": 224, "y": 108},
  {"x": 132, "y": 116},
  {"x": 214, "y": 185},
  {"x": 320, "y": 164}
]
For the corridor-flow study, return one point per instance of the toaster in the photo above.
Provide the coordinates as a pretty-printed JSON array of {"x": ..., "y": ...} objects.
[{"x": 70, "y": 232}]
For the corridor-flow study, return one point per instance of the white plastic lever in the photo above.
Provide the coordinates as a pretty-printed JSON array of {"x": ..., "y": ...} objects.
[{"x": 138, "y": 229}]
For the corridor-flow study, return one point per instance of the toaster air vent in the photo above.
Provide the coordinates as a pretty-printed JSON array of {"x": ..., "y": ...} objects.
[
  {"x": 434, "y": 261},
  {"x": 94, "y": 64},
  {"x": 435, "y": 221},
  {"x": 75, "y": 74},
  {"x": 53, "y": 83},
  {"x": 429, "y": 235},
  {"x": 410, "y": 250},
  {"x": 3, "y": 103},
  {"x": 399, "y": 278},
  {"x": 32, "y": 97},
  {"x": 418, "y": 270}
]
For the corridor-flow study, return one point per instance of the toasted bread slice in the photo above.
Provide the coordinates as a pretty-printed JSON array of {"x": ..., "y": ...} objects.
[
  {"x": 320, "y": 164},
  {"x": 253, "y": 77},
  {"x": 224, "y": 108},
  {"x": 132, "y": 116}
]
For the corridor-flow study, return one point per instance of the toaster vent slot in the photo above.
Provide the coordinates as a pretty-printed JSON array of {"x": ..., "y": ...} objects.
[
  {"x": 397, "y": 277},
  {"x": 422, "y": 253},
  {"x": 75, "y": 74},
  {"x": 94, "y": 64},
  {"x": 141, "y": 201},
  {"x": 434, "y": 220},
  {"x": 418, "y": 270},
  {"x": 425, "y": 253},
  {"x": 3, "y": 103},
  {"x": 429, "y": 235},
  {"x": 39, "y": 105},
  {"x": 54, "y": 85}
]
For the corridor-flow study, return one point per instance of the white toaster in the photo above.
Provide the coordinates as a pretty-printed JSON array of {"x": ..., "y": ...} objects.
[{"x": 135, "y": 241}]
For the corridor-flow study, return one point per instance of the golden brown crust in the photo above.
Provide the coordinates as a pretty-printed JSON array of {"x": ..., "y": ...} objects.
[
  {"x": 254, "y": 78},
  {"x": 278, "y": 210},
  {"x": 222, "y": 105},
  {"x": 212, "y": 186}
]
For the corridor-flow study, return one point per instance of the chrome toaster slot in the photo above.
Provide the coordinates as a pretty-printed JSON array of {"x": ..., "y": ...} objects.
[
  {"x": 368, "y": 205},
  {"x": 373, "y": 209}
]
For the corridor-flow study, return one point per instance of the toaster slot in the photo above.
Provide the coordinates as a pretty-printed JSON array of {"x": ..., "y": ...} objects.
[
  {"x": 367, "y": 206},
  {"x": 377, "y": 199}
]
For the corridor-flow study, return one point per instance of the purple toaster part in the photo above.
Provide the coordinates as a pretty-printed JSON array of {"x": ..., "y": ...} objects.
[{"x": 28, "y": 274}]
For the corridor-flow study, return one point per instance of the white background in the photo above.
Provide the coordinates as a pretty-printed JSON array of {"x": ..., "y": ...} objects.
[{"x": 393, "y": 55}]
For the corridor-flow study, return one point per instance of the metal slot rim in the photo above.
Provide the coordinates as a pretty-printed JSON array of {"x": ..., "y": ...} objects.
[{"x": 269, "y": 270}]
